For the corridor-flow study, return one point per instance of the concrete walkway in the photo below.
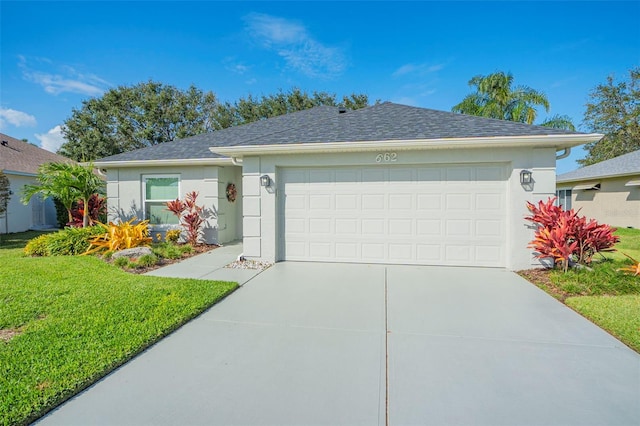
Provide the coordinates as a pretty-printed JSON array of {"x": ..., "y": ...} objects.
[
  {"x": 327, "y": 344},
  {"x": 210, "y": 266}
]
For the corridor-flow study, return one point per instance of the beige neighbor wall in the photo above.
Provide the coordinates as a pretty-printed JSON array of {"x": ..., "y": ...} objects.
[
  {"x": 125, "y": 197},
  {"x": 38, "y": 214},
  {"x": 614, "y": 203},
  {"x": 261, "y": 205}
]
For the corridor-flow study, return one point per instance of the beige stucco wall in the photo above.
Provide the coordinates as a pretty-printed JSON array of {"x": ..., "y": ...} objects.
[
  {"x": 125, "y": 197},
  {"x": 614, "y": 203},
  {"x": 19, "y": 217},
  {"x": 261, "y": 205}
]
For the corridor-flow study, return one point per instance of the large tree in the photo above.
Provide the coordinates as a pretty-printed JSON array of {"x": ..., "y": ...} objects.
[
  {"x": 250, "y": 108},
  {"x": 495, "y": 97},
  {"x": 68, "y": 183},
  {"x": 614, "y": 110},
  {"x": 130, "y": 117}
]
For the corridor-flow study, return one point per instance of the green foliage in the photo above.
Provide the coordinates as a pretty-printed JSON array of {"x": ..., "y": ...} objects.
[
  {"x": 66, "y": 242},
  {"x": 616, "y": 314},
  {"x": 4, "y": 192},
  {"x": 604, "y": 278},
  {"x": 559, "y": 122},
  {"x": 147, "y": 260},
  {"x": 39, "y": 246},
  {"x": 495, "y": 97},
  {"x": 146, "y": 114},
  {"x": 75, "y": 327},
  {"x": 122, "y": 262},
  {"x": 172, "y": 236},
  {"x": 131, "y": 117},
  {"x": 62, "y": 215},
  {"x": 614, "y": 110},
  {"x": 170, "y": 251},
  {"x": 68, "y": 182}
]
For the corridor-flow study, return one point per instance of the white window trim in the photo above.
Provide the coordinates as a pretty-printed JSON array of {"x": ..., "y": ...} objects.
[{"x": 143, "y": 186}]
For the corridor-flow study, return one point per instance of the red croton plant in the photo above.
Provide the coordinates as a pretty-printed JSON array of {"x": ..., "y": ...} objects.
[
  {"x": 189, "y": 214},
  {"x": 97, "y": 207},
  {"x": 567, "y": 237}
]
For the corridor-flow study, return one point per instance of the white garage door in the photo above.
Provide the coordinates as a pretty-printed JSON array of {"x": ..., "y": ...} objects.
[{"x": 426, "y": 215}]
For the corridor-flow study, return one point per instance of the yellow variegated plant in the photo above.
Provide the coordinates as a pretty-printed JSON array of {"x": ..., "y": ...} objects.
[{"x": 121, "y": 236}]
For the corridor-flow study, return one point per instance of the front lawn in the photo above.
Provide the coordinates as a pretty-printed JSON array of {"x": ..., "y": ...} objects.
[
  {"x": 604, "y": 295},
  {"x": 67, "y": 321}
]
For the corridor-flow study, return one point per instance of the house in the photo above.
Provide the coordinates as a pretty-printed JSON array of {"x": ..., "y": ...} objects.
[
  {"x": 19, "y": 161},
  {"x": 384, "y": 184},
  {"x": 608, "y": 191}
]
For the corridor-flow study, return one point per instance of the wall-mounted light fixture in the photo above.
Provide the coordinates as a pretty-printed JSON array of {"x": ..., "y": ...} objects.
[
  {"x": 525, "y": 177},
  {"x": 265, "y": 181}
]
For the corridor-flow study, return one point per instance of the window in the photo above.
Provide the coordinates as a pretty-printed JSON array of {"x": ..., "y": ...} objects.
[
  {"x": 157, "y": 190},
  {"x": 564, "y": 198}
]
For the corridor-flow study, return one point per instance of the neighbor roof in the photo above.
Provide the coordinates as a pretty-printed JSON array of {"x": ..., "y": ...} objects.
[
  {"x": 382, "y": 122},
  {"x": 22, "y": 157},
  {"x": 624, "y": 165}
]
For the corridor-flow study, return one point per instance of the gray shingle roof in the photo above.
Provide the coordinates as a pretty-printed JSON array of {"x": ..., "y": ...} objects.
[
  {"x": 23, "y": 157},
  {"x": 627, "y": 164},
  {"x": 382, "y": 122}
]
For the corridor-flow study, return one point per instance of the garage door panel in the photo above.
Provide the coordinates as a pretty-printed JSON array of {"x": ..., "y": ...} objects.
[{"x": 408, "y": 215}]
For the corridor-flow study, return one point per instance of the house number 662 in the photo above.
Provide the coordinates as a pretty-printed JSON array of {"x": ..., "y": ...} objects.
[{"x": 387, "y": 157}]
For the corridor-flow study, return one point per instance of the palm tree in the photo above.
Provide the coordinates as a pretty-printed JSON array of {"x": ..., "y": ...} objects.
[
  {"x": 68, "y": 183},
  {"x": 496, "y": 98},
  {"x": 559, "y": 122}
]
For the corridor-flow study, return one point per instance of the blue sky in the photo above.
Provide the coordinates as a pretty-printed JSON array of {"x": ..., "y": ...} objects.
[{"x": 55, "y": 54}]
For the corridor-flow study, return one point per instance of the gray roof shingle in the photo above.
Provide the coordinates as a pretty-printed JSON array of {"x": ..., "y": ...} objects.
[
  {"x": 627, "y": 164},
  {"x": 19, "y": 156},
  {"x": 381, "y": 122}
]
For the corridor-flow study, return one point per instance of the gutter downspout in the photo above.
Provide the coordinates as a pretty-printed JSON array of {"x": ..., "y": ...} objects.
[
  {"x": 564, "y": 154},
  {"x": 236, "y": 161}
]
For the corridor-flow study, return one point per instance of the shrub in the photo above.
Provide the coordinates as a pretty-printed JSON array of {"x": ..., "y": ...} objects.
[
  {"x": 122, "y": 262},
  {"x": 97, "y": 211},
  {"x": 121, "y": 236},
  {"x": 67, "y": 242},
  {"x": 190, "y": 216},
  {"x": 172, "y": 236},
  {"x": 170, "y": 251},
  {"x": 37, "y": 246},
  {"x": 567, "y": 237},
  {"x": 147, "y": 260}
]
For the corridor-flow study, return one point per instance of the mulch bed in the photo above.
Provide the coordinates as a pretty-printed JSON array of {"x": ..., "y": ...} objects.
[
  {"x": 198, "y": 249},
  {"x": 541, "y": 278}
]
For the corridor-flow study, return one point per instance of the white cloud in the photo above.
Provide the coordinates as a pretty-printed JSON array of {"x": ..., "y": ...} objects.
[
  {"x": 419, "y": 69},
  {"x": 52, "y": 140},
  {"x": 300, "y": 50},
  {"x": 65, "y": 79},
  {"x": 15, "y": 118}
]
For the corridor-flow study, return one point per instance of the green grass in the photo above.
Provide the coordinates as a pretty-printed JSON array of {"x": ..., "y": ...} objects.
[
  {"x": 78, "y": 318},
  {"x": 620, "y": 315},
  {"x": 604, "y": 295},
  {"x": 629, "y": 244}
]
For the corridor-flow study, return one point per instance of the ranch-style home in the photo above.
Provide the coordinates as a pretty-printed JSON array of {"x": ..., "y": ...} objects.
[
  {"x": 608, "y": 191},
  {"x": 19, "y": 161},
  {"x": 384, "y": 184}
]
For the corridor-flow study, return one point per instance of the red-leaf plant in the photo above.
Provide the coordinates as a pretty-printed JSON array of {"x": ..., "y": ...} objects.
[
  {"x": 97, "y": 207},
  {"x": 189, "y": 214},
  {"x": 567, "y": 237}
]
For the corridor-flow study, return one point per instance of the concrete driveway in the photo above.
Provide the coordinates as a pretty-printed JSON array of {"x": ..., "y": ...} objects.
[{"x": 306, "y": 343}]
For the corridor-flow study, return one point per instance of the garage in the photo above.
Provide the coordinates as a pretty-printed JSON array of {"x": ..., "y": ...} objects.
[{"x": 445, "y": 214}]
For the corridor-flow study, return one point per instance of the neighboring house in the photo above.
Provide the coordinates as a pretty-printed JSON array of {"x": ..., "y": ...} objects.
[
  {"x": 20, "y": 161},
  {"x": 384, "y": 184},
  {"x": 608, "y": 191}
]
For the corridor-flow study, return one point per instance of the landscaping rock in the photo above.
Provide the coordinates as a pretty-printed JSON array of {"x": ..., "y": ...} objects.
[{"x": 131, "y": 253}]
